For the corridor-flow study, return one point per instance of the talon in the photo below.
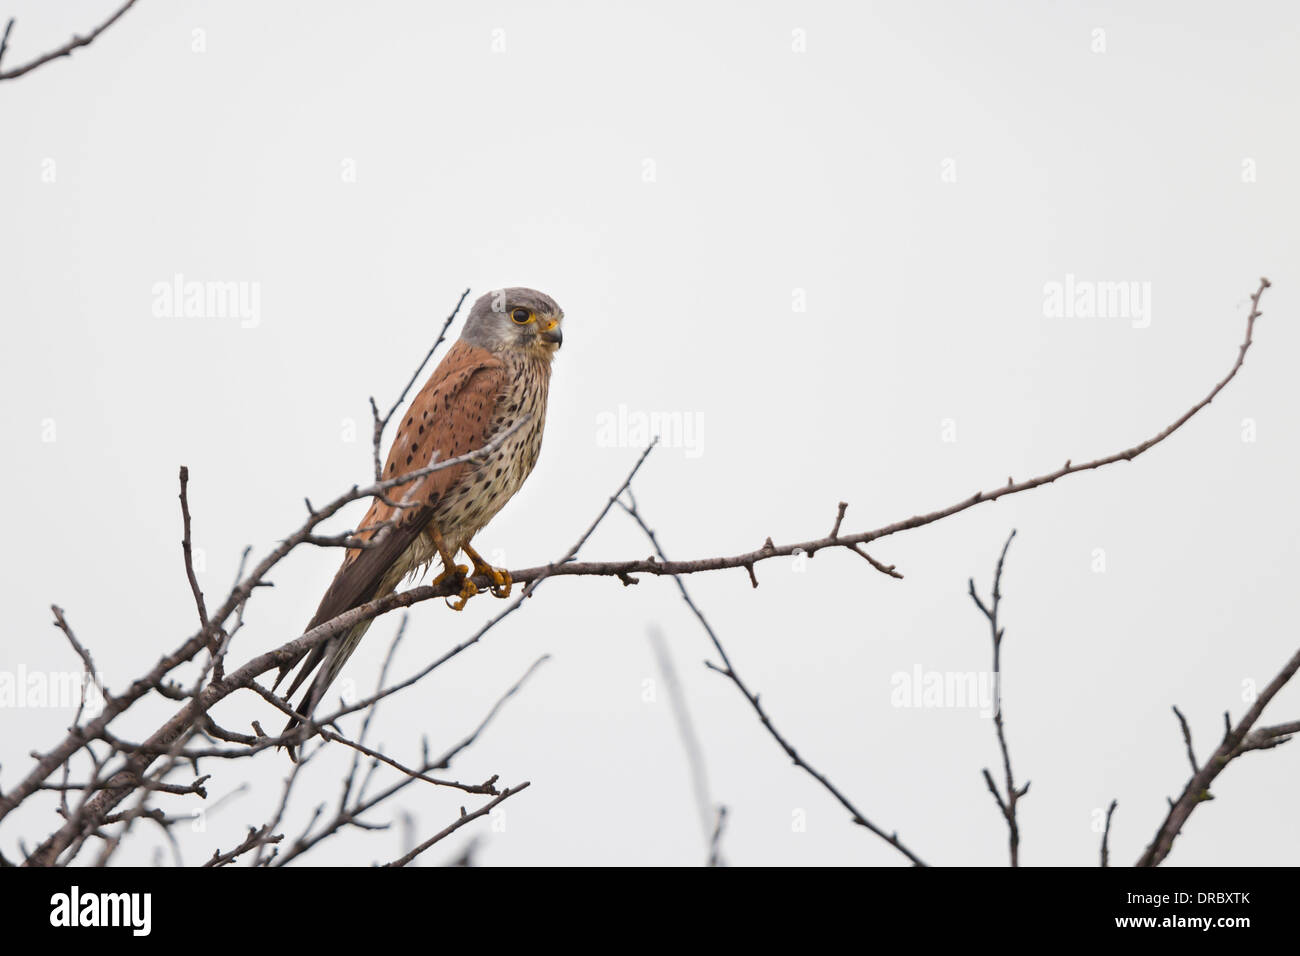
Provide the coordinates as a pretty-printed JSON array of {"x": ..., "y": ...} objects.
[
  {"x": 501, "y": 580},
  {"x": 500, "y": 577},
  {"x": 468, "y": 588},
  {"x": 452, "y": 571}
]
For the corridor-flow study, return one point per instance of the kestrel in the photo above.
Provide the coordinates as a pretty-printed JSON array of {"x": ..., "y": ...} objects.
[{"x": 497, "y": 373}]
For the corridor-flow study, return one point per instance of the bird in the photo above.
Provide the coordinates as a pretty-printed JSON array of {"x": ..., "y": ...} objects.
[{"x": 494, "y": 378}]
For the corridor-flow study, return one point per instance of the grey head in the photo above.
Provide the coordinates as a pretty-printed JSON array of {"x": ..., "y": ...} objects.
[{"x": 515, "y": 318}]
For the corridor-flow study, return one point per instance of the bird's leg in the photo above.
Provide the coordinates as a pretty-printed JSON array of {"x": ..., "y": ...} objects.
[
  {"x": 453, "y": 571},
  {"x": 501, "y": 581}
]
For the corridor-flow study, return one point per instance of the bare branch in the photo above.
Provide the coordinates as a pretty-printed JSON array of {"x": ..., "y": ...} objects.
[
  {"x": 464, "y": 819},
  {"x": 1266, "y": 738},
  {"x": 1187, "y": 738},
  {"x": 348, "y": 816},
  {"x": 1236, "y": 741},
  {"x": 747, "y": 560},
  {"x": 728, "y": 671},
  {"x": 187, "y": 550},
  {"x": 715, "y": 843},
  {"x": 1105, "y": 837},
  {"x": 381, "y": 423},
  {"x": 256, "y": 837},
  {"x": 708, "y": 814},
  {"x": 65, "y": 50},
  {"x": 1007, "y": 804},
  {"x": 90, "y": 673},
  {"x": 487, "y": 787}
]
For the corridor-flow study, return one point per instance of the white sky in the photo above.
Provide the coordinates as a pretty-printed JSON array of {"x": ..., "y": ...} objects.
[{"x": 824, "y": 171}]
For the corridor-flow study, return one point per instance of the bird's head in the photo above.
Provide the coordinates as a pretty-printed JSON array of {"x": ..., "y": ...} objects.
[{"x": 515, "y": 318}]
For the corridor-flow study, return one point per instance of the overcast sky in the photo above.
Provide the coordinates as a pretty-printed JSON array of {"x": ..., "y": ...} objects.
[{"x": 846, "y": 250}]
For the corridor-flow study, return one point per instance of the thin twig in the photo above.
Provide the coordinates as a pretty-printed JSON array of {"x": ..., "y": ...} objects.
[
  {"x": 4, "y": 43},
  {"x": 348, "y": 816},
  {"x": 65, "y": 50},
  {"x": 1187, "y": 738},
  {"x": 381, "y": 423},
  {"x": 460, "y": 822},
  {"x": 487, "y": 787},
  {"x": 728, "y": 671},
  {"x": 1007, "y": 805},
  {"x": 256, "y": 837},
  {"x": 715, "y": 842},
  {"x": 1105, "y": 837},
  {"x": 1236, "y": 741},
  {"x": 689, "y": 738}
]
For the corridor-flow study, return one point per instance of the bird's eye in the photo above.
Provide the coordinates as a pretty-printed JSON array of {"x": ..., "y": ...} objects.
[{"x": 521, "y": 316}]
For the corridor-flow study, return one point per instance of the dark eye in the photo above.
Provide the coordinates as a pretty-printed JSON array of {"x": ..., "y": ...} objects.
[{"x": 521, "y": 316}]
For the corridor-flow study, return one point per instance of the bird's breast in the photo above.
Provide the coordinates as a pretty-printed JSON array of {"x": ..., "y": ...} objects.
[{"x": 485, "y": 487}]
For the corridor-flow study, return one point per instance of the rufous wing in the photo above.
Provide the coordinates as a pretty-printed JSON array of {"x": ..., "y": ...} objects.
[{"x": 451, "y": 416}]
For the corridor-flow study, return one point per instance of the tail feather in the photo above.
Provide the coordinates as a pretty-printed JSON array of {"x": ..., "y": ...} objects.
[
  {"x": 335, "y": 654},
  {"x": 364, "y": 576},
  {"x": 327, "y": 658}
]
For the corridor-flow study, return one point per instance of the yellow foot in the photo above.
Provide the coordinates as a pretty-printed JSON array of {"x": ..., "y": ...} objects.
[
  {"x": 501, "y": 581},
  {"x": 458, "y": 572}
]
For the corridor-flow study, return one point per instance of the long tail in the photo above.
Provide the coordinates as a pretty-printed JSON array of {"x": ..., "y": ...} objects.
[
  {"x": 366, "y": 574},
  {"x": 333, "y": 653}
]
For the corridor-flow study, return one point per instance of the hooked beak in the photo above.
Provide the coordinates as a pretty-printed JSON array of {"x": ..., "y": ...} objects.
[{"x": 552, "y": 335}]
